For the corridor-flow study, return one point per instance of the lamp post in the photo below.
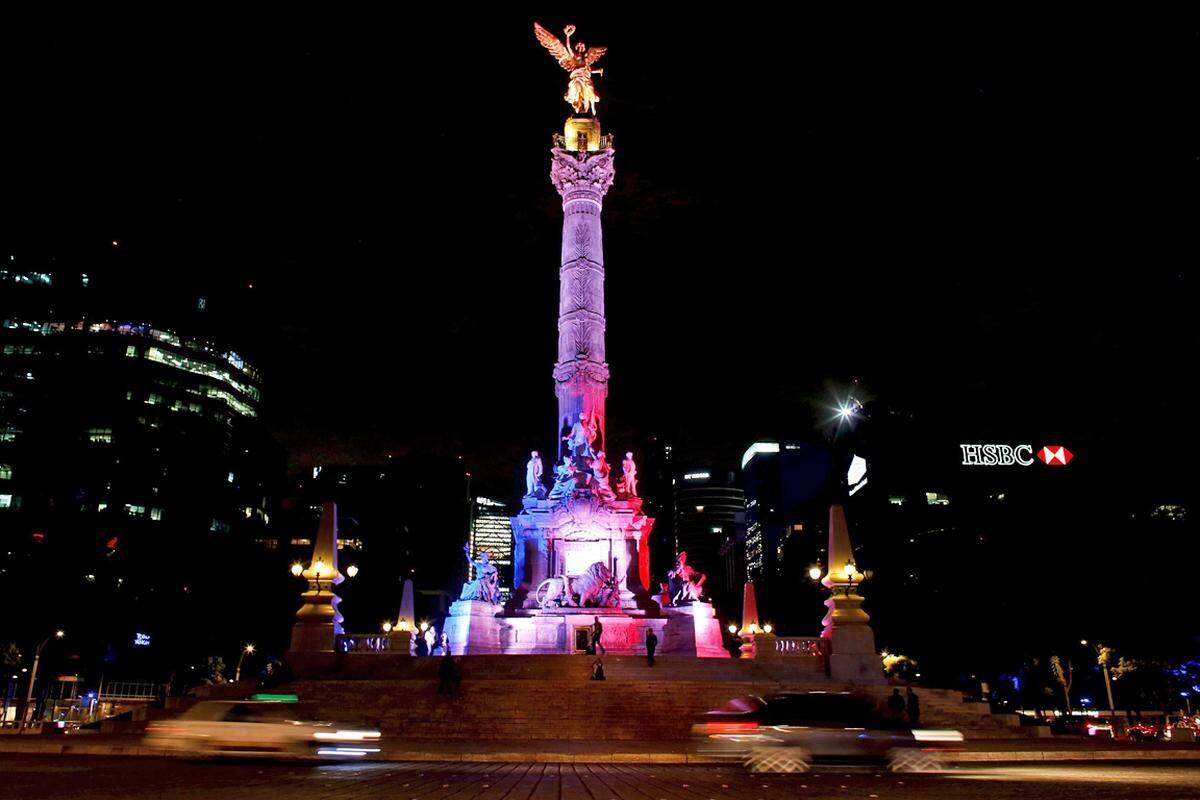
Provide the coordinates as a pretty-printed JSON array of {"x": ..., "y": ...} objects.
[
  {"x": 247, "y": 650},
  {"x": 27, "y": 712}
]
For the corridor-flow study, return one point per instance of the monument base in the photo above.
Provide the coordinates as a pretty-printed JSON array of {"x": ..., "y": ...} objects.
[{"x": 477, "y": 628}]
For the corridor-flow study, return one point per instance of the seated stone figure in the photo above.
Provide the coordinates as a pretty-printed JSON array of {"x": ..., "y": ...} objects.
[
  {"x": 686, "y": 584},
  {"x": 486, "y": 585}
]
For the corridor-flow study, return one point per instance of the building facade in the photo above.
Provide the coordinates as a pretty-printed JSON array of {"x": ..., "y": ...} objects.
[{"x": 710, "y": 524}]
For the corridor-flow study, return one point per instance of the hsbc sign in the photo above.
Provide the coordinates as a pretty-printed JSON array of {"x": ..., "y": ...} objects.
[{"x": 1007, "y": 455}]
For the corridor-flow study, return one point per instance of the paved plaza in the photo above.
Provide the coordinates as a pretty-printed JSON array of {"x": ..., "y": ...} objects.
[{"x": 32, "y": 777}]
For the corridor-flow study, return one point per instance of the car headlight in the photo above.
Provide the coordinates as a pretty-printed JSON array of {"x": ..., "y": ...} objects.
[{"x": 346, "y": 736}]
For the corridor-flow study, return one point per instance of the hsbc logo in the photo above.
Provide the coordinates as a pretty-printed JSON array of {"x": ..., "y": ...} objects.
[
  {"x": 1055, "y": 455},
  {"x": 1007, "y": 455}
]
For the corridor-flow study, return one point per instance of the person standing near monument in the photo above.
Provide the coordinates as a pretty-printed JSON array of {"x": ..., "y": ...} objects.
[
  {"x": 912, "y": 704},
  {"x": 651, "y": 646},
  {"x": 597, "y": 632}
]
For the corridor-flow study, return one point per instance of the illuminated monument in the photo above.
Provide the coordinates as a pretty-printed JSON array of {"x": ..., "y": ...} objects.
[{"x": 580, "y": 549}]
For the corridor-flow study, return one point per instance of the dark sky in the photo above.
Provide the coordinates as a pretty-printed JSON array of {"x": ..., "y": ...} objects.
[{"x": 989, "y": 218}]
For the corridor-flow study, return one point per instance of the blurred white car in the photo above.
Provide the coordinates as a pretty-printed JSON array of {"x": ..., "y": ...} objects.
[{"x": 244, "y": 727}]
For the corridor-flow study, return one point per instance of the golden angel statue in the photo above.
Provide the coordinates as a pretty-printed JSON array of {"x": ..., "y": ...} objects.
[{"x": 581, "y": 92}]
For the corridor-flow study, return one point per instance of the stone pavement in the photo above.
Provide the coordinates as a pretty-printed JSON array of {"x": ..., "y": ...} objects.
[{"x": 42, "y": 778}]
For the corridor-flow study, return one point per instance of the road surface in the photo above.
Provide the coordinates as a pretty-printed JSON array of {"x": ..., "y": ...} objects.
[{"x": 97, "y": 777}]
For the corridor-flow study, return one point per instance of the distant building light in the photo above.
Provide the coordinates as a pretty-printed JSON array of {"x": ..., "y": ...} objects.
[
  {"x": 696, "y": 476},
  {"x": 756, "y": 448},
  {"x": 699, "y": 508},
  {"x": 936, "y": 499},
  {"x": 141, "y": 640},
  {"x": 317, "y": 471},
  {"x": 485, "y": 501},
  {"x": 716, "y": 529},
  {"x": 896, "y": 500}
]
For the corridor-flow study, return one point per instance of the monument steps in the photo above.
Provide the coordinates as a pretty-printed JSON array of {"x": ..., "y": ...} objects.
[{"x": 551, "y": 697}]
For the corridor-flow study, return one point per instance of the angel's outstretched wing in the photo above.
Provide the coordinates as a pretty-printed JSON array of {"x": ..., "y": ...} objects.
[
  {"x": 593, "y": 55},
  {"x": 557, "y": 49}
]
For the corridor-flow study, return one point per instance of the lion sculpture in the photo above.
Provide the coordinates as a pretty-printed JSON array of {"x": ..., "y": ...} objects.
[{"x": 596, "y": 586}]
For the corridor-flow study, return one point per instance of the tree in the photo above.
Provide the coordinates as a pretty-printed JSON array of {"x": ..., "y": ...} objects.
[
  {"x": 214, "y": 670},
  {"x": 11, "y": 656},
  {"x": 1063, "y": 673}
]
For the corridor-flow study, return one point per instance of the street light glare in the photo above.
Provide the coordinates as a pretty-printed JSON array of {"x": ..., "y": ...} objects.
[
  {"x": 250, "y": 648},
  {"x": 59, "y": 634}
]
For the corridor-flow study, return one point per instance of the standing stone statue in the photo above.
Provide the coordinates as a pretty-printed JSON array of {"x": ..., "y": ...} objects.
[
  {"x": 486, "y": 586},
  {"x": 629, "y": 472},
  {"x": 533, "y": 476}
]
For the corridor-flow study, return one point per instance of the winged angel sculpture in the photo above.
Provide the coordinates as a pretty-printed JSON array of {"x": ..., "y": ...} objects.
[{"x": 581, "y": 92}]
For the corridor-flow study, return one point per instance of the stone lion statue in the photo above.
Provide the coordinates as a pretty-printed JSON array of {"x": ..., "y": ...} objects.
[{"x": 596, "y": 586}]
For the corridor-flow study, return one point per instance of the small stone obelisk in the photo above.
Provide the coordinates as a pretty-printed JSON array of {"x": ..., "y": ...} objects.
[
  {"x": 852, "y": 655},
  {"x": 318, "y": 621}
]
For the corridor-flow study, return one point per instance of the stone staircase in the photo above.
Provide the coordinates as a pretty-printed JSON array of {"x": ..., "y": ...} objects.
[{"x": 550, "y": 696}]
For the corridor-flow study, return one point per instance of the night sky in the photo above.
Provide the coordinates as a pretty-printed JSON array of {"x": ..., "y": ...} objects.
[{"x": 987, "y": 220}]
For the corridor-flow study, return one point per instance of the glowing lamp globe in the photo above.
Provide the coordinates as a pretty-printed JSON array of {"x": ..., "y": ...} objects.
[
  {"x": 387, "y": 627},
  {"x": 351, "y": 571},
  {"x": 814, "y": 573},
  {"x": 319, "y": 568},
  {"x": 767, "y": 628},
  {"x": 424, "y": 627},
  {"x": 849, "y": 570},
  {"x": 732, "y": 628},
  {"x": 297, "y": 569}
]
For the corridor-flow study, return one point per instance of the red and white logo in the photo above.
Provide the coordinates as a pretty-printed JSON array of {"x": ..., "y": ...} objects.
[{"x": 1055, "y": 455}]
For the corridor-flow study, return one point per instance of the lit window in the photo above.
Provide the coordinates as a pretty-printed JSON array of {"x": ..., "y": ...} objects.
[
  {"x": 229, "y": 477},
  {"x": 8, "y": 433},
  {"x": 715, "y": 529},
  {"x": 156, "y": 514},
  {"x": 7, "y": 501},
  {"x": 302, "y": 541},
  {"x": 219, "y": 526},
  {"x": 5, "y": 472},
  {"x": 100, "y": 435},
  {"x": 135, "y": 510},
  {"x": 101, "y": 506},
  {"x": 131, "y": 351},
  {"x": 699, "y": 509},
  {"x": 936, "y": 499},
  {"x": 896, "y": 500}
]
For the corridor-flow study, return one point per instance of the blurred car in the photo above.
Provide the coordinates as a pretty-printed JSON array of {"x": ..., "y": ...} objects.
[
  {"x": 242, "y": 727},
  {"x": 1145, "y": 731},
  {"x": 788, "y": 732},
  {"x": 1082, "y": 726}
]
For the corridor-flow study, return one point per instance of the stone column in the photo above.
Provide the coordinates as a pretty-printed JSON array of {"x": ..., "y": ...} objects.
[{"x": 581, "y": 372}]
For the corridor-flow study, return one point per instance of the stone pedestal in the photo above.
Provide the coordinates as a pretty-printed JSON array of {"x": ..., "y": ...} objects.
[
  {"x": 473, "y": 628},
  {"x": 693, "y": 629},
  {"x": 852, "y": 656}
]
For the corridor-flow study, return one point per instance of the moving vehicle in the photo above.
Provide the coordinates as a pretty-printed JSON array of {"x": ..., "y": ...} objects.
[
  {"x": 1145, "y": 731},
  {"x": 246, "y": 727},
  {"x": 789, "y": 731},
  {"x": 1082, "y": 726}
]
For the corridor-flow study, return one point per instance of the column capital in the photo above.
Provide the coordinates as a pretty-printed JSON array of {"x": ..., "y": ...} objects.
[{"x": 581, "y": 176}]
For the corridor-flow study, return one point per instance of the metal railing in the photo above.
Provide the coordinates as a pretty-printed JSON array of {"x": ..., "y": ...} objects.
[
  {"x": 364, "y": 643},
  {"x": 126, "y": 690},
  {"x": 810, "y": 646}
]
